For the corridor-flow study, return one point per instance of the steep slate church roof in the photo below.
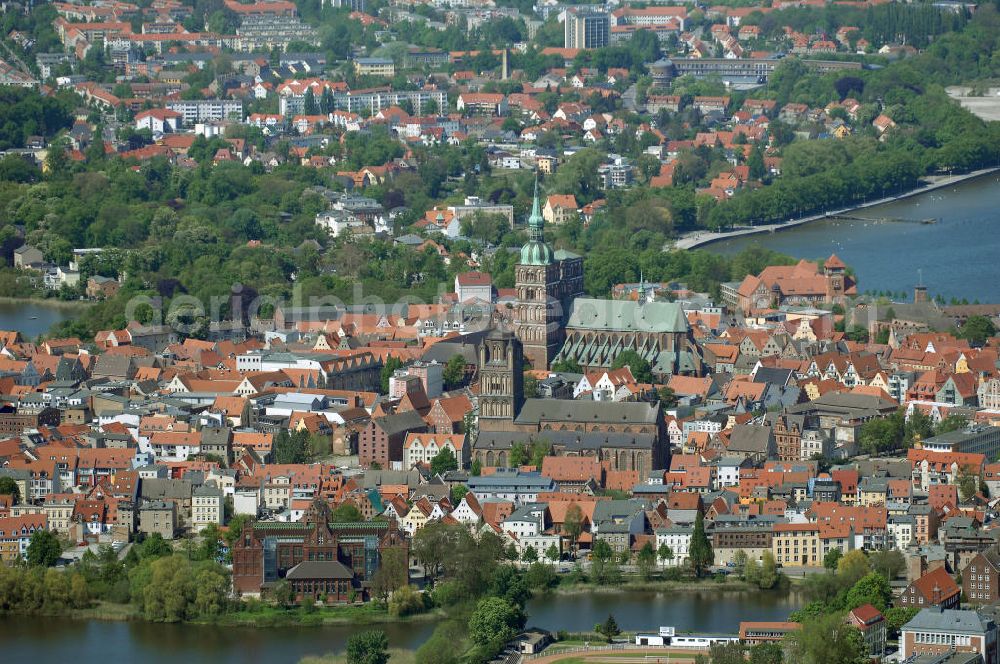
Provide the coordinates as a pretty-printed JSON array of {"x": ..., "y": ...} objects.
[
  {"x": 570, "y": 441},
  {"x": 621, "y": 319},
  {"x": 626, "y": 315},
  {"x": 564, "y": 410}
]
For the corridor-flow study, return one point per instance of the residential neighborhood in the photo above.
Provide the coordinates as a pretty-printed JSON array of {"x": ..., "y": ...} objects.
[
  {"x": 393, "y": 320},
  {"x": 756, "y": 421}
]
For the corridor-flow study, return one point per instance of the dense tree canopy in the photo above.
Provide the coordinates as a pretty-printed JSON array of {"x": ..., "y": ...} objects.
[
  {"x": 827, "y": 639},
  {"x": 25, "y": 113},
  {"x": 8, "y": 487},
  {"x": 370, "y": 647},
  {"x": 494, "y": 622},
  {"x": 640, "y": 367},
  {"x": 444, "y": 461},
  {"x": 44, "y": 549}
]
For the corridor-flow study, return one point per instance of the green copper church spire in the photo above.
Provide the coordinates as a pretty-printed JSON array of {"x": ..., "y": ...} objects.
[
  {"x": 535, "y": 220},
  {"x": 535, "y": 251}
]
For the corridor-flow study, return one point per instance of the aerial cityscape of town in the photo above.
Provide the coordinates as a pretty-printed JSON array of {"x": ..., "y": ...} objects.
[{"x": 459, "y": 331}]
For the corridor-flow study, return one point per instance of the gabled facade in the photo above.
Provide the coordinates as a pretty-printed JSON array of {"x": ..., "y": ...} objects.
[{"x": 935, "y": 588}]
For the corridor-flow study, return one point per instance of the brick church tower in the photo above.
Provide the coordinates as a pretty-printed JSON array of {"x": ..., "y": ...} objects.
[
  {"x": 501, "y": 380},
  {"x": 546, "y": 283}
]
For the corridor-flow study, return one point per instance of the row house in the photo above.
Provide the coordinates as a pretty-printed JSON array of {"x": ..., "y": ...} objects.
[
  {"x": 175, "y": 445},
  {"x": 869, "y": 525},
  {"x": 42, "y": 478},
  {"x": 421, "y": 448},
  {"x": 15, "y": 535},
  {"x": 58, "y": 509},
  {"x": 582, "y": 474},
  {"x": 931, "y": 468},
  {"x": 657, "y": 103},
  {"x": 678, "y": 540},
  {"x": 711, "y": 104},
  {"x": 98, "y": 464},
  {"x": 422, "y": 512},
  {"x": 483, "y": 103}
]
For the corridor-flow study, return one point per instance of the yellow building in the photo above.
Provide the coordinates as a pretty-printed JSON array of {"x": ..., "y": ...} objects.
[
  {"x": 278, "y": 493},
  {"x": 416, "y": 518},
  {"x": 546, "y": 163},
  {"x": 559, "y": 208},
  {"x": 797, "y": 544},
  {"x": 872, "y": 495},
  {"x": 375, "y": 67},
  {"x": 880, "y": 381},
  {"x": 59, "y": 512}
]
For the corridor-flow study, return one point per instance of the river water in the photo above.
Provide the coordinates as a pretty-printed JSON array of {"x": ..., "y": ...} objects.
[
  {"x": 688, "y": 611},
  {"x": 32, "y": 318},
  {"x": 96, "y": 642},
  {"x": 64, "y": 641},
  {"x": 957, "y": 256}
]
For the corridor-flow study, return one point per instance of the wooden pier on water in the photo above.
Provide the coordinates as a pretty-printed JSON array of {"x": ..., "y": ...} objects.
[{"x": 895, "y": 220}]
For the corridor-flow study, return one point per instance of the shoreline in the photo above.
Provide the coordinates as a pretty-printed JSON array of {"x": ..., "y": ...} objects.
[
  {"x": 128, "y": 613},
  {"x": 124, "y": 613},
  {"x": 657, "y": 587},
  {"x": 294, "y": 618},
  {"x": 52, "y": 303},
  {"x": 704, "y": 238}
]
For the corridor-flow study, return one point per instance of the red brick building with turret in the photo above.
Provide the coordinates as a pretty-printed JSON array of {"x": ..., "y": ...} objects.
[{"x": 268, "y": 551}]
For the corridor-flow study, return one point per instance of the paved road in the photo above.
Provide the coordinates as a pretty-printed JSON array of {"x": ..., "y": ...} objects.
[{"x": 629, "y": 99}]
